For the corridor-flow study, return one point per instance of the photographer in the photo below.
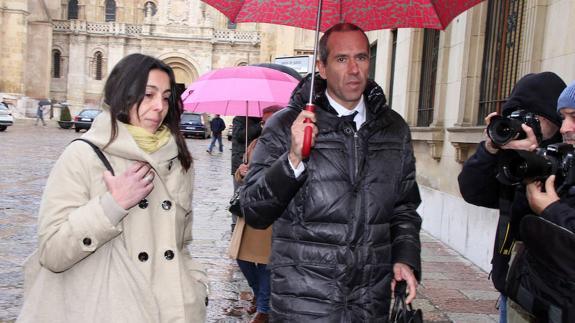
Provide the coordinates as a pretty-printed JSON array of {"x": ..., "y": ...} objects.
[
  {"x": 536, "y": 94},
  {"x": 541, "y": 280}
]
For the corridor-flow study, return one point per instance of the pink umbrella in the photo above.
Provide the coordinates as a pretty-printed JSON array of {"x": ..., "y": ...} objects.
[{"x": 239, "y": 91}]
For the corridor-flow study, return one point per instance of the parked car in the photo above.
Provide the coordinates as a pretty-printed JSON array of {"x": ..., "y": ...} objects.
[
  {"x": 85, "y": 118},
  {"x": 230, "y": 130},
  {"x": 6, "y": 118},
  {"x": 195, "y": 124}
]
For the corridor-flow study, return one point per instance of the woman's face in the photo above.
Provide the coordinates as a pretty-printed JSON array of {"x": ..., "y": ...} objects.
[{"x": 154, "y": 106}]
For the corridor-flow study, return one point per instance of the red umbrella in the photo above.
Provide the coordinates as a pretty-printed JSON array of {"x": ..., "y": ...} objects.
[{"x": 367, "y": 14}]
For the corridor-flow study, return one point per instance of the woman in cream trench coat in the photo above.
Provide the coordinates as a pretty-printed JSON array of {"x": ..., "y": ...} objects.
[{"x": 98, "y": 261}]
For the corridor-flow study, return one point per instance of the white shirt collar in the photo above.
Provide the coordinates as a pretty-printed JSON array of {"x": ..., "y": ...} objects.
[{"x": 343, "y": 111}]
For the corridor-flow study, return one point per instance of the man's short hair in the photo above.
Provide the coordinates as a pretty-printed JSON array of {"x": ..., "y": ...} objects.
[
  {"x": 341, "y": 27},
  {"x": 272, "y": 109}
]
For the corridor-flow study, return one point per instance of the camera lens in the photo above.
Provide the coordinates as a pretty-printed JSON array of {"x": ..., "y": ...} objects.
[{"x": 503, "y": 130}]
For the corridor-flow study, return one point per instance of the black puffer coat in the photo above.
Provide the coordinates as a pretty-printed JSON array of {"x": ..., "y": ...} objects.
[{"x": 341, "y": 225}]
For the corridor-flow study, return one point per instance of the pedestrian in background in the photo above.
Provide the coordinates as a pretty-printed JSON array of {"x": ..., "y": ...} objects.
[
  {"x": 345, "y": 225},
  {"x": 40, "y": 114},
  {"x": 239, "y": 138},
  {"x": 251, "y": 247},
  {"x": 112, "y": 246},
  {"x": 218, "y": 126},
  {"x": 478, "y": 183}
]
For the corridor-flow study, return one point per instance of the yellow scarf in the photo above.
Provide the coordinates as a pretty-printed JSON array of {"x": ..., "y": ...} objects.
[{"x": 149, "y": 142}]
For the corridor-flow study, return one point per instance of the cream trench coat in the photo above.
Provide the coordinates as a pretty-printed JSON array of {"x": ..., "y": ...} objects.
[{"x": 101, "y": 263}]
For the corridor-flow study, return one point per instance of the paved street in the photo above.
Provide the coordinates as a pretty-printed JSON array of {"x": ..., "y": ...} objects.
[{"x": 452, "y": 290}]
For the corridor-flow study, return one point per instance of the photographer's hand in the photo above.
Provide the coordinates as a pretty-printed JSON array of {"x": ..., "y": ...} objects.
[
  {"x": 530, "y": 143},
  {"x": 539, "y": 200}
]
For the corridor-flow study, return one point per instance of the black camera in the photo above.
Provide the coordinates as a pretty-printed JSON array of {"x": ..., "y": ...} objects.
[
  {"x": 519, "y": 166},
  {"x": 502, "y": 130}
]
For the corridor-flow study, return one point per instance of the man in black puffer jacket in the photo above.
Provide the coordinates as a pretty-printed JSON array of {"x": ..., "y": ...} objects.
[{"x": 344, "y": 221}]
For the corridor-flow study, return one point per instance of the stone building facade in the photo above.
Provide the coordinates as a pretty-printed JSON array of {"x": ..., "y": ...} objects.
[
  {"x": 444, "y": 83},
  {"x": 64, "y": 49}
]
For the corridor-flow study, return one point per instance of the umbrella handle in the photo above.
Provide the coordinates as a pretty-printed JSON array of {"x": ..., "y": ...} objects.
[{"x": 308, "y": 131}]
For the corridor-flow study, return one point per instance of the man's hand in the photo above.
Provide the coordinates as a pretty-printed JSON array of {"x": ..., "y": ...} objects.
[
  {"x": 538, "y": 200},
  {"x": 404, "y": 272},
  {"x": 132, "y": 186},
  {"x": 297, "y": 132},
  {"x": 243, "y": 169},
  {"x": 530, "y": 143}
]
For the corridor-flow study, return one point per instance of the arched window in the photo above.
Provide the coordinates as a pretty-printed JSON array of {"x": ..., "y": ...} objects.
[
  {"x": 98, "y": 65},
  {"x": 150, "y": 9},
  {"x": 110, "y": 10},
  {"x": 72, "y": 9},
  {"x": 56, "y": 57}
]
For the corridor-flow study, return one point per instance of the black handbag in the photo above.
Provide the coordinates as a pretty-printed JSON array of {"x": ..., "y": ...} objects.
[
  {"x": 401, "y": 312},
  {"x": 235, "y": 206}
]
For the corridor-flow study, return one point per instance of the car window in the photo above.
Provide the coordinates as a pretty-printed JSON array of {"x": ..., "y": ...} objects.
[
  {"x": 3, "y": 107},
  {"x": 191, "y": 118},
  {"x": 89, "y": 113}
]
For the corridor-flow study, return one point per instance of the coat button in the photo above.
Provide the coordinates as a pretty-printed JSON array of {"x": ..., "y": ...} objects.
[
  {"x": 143, "y": 256},
  {"x": 348, "y": 131},
  {"x": 166, "y": 205},
  {"x": 87, "y": 241},
  {"x": 143, "y": 204},
  {"x": 169, "y": 254}
]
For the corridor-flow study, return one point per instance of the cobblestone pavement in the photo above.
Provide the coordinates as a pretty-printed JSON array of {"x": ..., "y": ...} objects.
[{"x": 452, "y": 290}]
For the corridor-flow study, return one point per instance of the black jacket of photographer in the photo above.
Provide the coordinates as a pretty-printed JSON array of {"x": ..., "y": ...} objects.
[
  {"x": 341, "y": 224},
  {"x": 536, "y": 93}
]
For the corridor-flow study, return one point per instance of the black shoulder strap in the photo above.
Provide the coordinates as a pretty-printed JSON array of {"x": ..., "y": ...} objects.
[{"x": 99, "y": 153}]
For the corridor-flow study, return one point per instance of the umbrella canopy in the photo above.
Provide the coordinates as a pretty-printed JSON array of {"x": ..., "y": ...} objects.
[
  {"x": 367, "y": 14},
  {"x": 239, "y": 91},
  {"x": 281, "y": 68}
]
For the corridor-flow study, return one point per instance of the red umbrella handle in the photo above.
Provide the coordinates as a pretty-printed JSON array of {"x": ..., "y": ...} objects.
[{"x": 306, "y": 148}]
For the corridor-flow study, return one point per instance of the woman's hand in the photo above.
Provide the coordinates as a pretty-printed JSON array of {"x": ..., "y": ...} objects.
[{"x": 132, "y": 186}]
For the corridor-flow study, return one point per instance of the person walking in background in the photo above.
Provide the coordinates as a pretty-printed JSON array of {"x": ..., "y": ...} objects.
[
  {"x": 218, "y": 126},
  {"x": 40, "y": 114},
  {"x": 251, "y": 247},
  {"x": 478, "y": 183},
  {"x": 239, "y": 138},
  {"x": 345, "y": 225},
  {"x": 112, "y": 244}
]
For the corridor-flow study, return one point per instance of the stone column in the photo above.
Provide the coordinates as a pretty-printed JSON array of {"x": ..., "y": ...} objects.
[
  {"x": 14, "y": 43},
  {"x": 77, "y": 70}
]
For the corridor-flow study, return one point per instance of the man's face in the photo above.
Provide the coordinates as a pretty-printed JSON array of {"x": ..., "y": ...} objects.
[
  {"x": 346, "y": 67},
  {"x": 568, "y": 125}
]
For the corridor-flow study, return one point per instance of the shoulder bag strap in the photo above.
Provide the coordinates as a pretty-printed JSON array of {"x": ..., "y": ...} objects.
[{"x": 99, "y": 153}]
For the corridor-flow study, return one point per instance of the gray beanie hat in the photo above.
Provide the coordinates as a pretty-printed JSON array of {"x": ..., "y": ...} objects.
[{"x": 567, "y": 98}]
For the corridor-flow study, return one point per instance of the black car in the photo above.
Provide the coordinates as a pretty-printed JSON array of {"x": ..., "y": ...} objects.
[
  {"x": 84, "y": 119},
  {"x": 193, "y": 124}
]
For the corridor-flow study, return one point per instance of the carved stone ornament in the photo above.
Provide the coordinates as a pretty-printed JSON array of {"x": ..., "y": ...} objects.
[{"x": 178, "y": 10}]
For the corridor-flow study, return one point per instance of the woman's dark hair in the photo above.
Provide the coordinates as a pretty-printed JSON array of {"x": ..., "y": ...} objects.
[{"x": 126, "y": 86}]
